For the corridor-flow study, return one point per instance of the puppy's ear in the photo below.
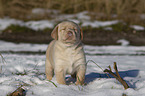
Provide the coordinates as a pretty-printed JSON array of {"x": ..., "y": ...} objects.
[
  {"x": 81, "y": 32},
  {"x": 54, "y": 33}
]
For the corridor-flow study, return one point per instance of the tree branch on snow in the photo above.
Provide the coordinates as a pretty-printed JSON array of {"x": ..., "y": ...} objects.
[
  {"x": 117, "y": 76},
  {"x": 18, "y": 92}
]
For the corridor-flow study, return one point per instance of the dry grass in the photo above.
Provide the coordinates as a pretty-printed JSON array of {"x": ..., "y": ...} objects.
[
  {"x": 128, "y": 10},
  {"x": 19, "y": 8},
  {"x": 2, "y": 61}
]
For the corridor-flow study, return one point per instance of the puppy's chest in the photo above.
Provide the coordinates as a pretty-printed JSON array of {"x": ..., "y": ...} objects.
[{"x": 69, "y": 54}]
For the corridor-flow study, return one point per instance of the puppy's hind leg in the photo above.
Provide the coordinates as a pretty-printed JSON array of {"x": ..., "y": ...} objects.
[{"x": 49, "y": 71}]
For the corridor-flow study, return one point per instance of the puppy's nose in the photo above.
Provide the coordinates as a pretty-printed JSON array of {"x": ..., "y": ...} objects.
[{"x": 70, "y": 33}]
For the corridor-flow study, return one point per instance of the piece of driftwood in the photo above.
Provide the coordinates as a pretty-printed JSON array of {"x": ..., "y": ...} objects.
[
  {"x": 117, "y": 76},
  {"x": 18, "y": 92}
]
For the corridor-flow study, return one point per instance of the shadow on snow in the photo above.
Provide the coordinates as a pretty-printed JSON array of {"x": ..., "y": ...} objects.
[
  {"x": 93, "y": 76},
  {"x": 130, "y": 73}
]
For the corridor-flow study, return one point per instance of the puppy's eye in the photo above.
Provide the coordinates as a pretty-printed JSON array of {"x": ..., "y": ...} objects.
[
  {"x": 76, "y": 30},
  {"x": 62, "y": 29}
]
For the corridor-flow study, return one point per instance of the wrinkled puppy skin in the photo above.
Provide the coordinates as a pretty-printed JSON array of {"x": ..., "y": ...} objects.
[{"x": 65, "y": 54}]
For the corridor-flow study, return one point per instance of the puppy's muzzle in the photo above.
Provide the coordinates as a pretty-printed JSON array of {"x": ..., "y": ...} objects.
[{"x": 70, "y": 33}]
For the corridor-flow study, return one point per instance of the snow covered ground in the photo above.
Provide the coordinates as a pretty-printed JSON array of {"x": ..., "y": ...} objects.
[{"x": 28, "y": 69}]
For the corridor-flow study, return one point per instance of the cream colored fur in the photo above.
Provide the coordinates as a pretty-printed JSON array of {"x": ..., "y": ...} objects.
[{"x": 65, "y": 54}]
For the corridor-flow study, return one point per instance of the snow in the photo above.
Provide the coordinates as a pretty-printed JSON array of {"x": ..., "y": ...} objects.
[
  {"x": 44, "y": 11},
  {"x": 42, "y": 24},
  {"x": 29, "y": 70},
  {"x": 137, "y": 27},
  {"x": 39, "y": 25},
  {"x": 7, "y": 46},
  {"x": 4, "y": 23},
  {"x": 142, "y": 16},
  {"x": 123, "y": 42},
  {"x": 81, "y": 18},
  {"x": 99, "y": 23},
  {"x": 35, "y": 25}
]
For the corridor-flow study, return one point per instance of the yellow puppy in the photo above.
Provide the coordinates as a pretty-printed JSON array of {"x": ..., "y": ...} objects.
[{"x": 65, "y": 54}]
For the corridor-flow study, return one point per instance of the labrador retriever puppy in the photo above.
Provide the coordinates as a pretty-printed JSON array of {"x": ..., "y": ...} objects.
[{"x": 65, "y": 54}]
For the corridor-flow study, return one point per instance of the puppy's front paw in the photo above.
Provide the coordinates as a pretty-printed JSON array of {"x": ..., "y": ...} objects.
[
  {"x": 49, "y": 77},
  {"x": 79, "y": 83}
]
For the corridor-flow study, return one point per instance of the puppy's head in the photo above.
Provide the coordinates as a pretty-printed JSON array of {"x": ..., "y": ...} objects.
[{"x": 67, "y": 32}]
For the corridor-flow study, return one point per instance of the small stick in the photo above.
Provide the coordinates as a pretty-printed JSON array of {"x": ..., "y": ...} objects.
[
  {"x": 116, "y": 70},
  {"x": 110, "y": 72},
  {"x": 110, "y": 68},
  {"x": 117, "y": 76},
  {"x": 18, "y": 92},
  {"x": 120, "y": 79}
]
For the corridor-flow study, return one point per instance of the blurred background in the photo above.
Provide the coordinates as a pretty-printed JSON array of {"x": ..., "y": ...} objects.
[{"x": 129, "y": 16}]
